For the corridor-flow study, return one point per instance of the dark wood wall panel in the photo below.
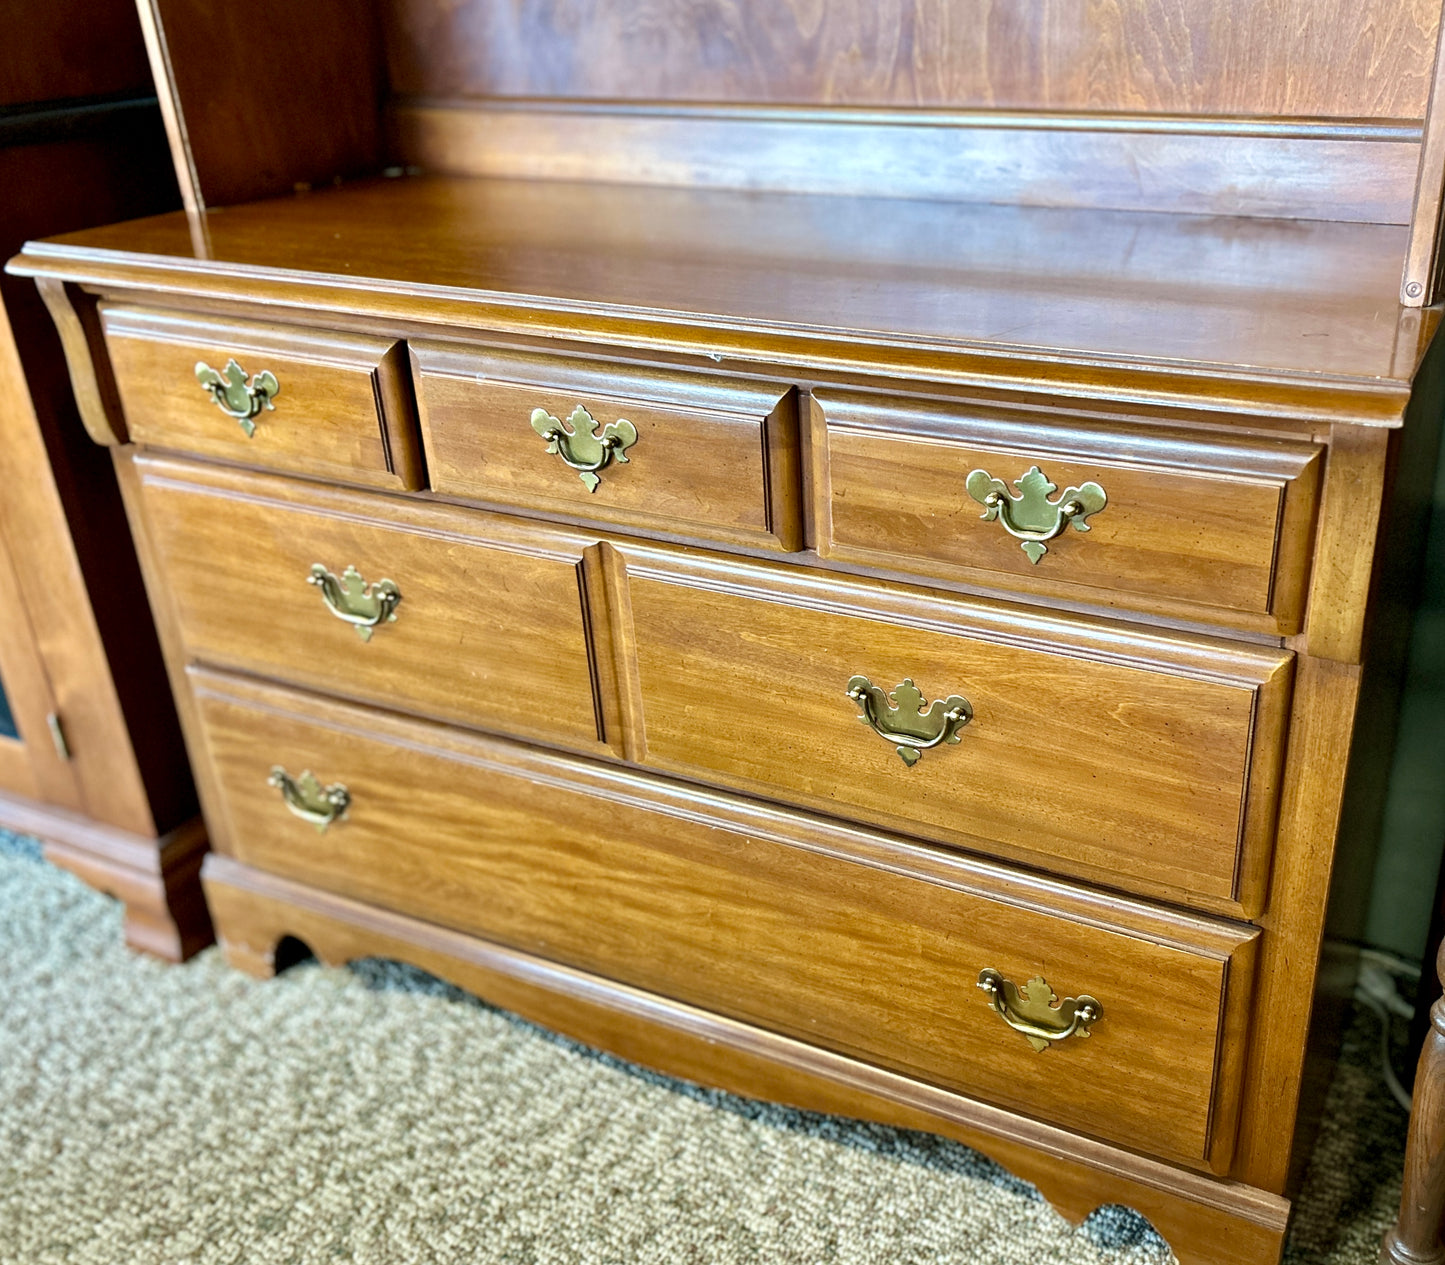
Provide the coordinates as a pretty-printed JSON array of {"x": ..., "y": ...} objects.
[
  {"x": 263, "y": 95},
  {"x": 72, "y": 48},
  {"x": 1335, "y": 58}
]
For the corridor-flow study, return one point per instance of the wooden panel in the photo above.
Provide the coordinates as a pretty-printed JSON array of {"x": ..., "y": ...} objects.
[
  {"x": 1137, "y": 760},
  {"x": 1207, "y": 167},
  {"x": 475, "y": 405},
  {"x": 489, "y": 631},
  {"x": 297, "y": 106},
  {"x": 1223, "y": 523},
  {"x": 343, "y": 410},
  {"x": 1337, "y": 58},
  {"x": 794, "y": 927},
  {"x": 1232, "y": 315},
  {"x": 73, "y": 48}
]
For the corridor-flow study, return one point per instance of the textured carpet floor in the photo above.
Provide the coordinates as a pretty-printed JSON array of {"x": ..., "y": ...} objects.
[{"x": 154, "y": 1115}]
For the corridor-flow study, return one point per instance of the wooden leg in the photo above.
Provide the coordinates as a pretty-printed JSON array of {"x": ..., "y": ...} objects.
[
  {"x": 157, "y": 879},
  {"x": 1415, "y": 1238}
]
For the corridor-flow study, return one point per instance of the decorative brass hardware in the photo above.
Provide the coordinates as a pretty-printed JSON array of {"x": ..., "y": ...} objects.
[
  {"x": 234, "y": 396},
  {"x": 308, "y": 799},
  {"x": 1031, "y": 517},
  {"x": 1030, "y": 1009},
  {"x": 901, "y": 718},
  {"x": 363, "y": 606},
  {"x": 580, "y": 447}
]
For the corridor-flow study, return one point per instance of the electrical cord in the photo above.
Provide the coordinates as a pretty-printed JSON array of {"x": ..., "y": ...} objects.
[{"x": 1376, "y": 990}]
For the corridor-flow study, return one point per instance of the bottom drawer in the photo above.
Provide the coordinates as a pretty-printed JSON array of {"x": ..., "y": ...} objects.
[{"x": 866, "y": 945}]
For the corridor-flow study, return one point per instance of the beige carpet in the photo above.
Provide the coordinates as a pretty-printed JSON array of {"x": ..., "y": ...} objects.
[{"x": 153, "y": 1114}]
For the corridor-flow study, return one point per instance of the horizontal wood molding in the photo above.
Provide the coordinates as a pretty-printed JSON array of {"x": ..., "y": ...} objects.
[{"x": 1362, "y": 171}]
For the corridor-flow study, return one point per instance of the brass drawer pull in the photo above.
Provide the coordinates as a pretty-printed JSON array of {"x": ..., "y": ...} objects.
[
  {"x": 1031, "y": 517},
  {"x": 1030, "y": 1009},
  {"x": 308, "y": 799},
  {"x": 236, "y": 397},
  {"x": 901, "y": 718},
  {"x": 581, "y": 448},
  {"x": 364, "y": 606}
]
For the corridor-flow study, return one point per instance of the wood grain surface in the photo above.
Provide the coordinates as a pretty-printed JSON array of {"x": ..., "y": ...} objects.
[
  {"x": 343, "y": 410},
  {"x": 475, "y": 404},
  {"x": 264, "y": 96},
  {"x": 1297, "y": 319},
  {"x": 491, "y": 629},
  {"x": 874, "y": 963},
  {"x": 1153, "y": 766},
  {"x": 1287, "y": 169},
  {"x": 1219, "y": 523},
  {"x": 1337, "y": 58}
]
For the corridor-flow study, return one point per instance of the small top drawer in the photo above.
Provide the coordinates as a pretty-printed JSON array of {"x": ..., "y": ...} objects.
[
  {"x": 310, "y": 401},
  {"x": 1155, "y": 520},
  {"x": 685, "y": 454}
]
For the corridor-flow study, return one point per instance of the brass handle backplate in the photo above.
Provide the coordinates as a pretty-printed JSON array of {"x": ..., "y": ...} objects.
[
  {"x": 1031, "y": 518},
  {"x": 308, "y": 799},
  {"x": 902, "y": 719},
  {"x": 1030, "y": 1009},
  {"x": 364, "y": 606},
  {"x": 236, "y": 397},
  {"x": 581, "y": 447}
]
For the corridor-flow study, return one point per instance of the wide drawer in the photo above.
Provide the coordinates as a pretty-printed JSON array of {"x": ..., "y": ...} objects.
[
  {"x": 463, "y": 616},
  {"x": 1162, "y": 520},
  {"x": 849, "y": 940},
  {"x": 311, "y": 401},
  {"x": 1114, "y": 753},
  {"x": 686, "y": 454}
]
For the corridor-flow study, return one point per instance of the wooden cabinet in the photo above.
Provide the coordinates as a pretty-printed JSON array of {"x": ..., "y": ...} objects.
[
  {"x": 91, "y": 757},
  {"x": 840, "y": 577}
]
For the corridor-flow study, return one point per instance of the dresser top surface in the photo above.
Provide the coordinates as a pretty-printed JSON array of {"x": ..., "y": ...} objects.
[{"x": 1309, "y": 302}]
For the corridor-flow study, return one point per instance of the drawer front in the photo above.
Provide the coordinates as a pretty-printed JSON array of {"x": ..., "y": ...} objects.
[
  {"x": 684, "y": 454},
  {"x": 1111, "y": 753},
  {"x": 845, "y": 939},
  {"x": 1164, "y": 519},
  {"x": 315, "y": 402},
  {"x": 465, "y": 617}
]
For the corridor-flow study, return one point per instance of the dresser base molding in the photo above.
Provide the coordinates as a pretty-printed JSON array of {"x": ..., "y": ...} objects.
[
  {"x": 156, "y": 879},
  {"x": 1206, "y": 1221}
]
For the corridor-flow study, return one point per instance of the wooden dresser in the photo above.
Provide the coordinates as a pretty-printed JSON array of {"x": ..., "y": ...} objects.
[{"x": 822, "y": 550}]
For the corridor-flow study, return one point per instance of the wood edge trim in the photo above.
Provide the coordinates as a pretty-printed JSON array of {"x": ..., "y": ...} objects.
[
  {"x": 1263, "y": 781},
  {"x": 1226, "y": 1105},
  {"x": 1209, "y": 387},
  {"x": 150, "y": 855},
  {"x": 172, "y": 112},
  {"x": 611, "y": 572},
  {"x": 396, "y": 404},
  {"x": 817, "y": 477},
  {"x": 1300, "y": 126},
  {"x": 77, "y": 321},
  {"x": 1249, "y": 1203},
  {"x": 1347, "y": 528},
  {"x": 1240, "y": 664},
  {"x": 1294, "y": 542},
  {"x": 1420, "y": 282},
  {"x": 782, "y": 443}
]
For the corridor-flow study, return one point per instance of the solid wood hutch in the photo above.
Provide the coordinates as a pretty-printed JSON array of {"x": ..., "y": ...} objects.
[{"x": 823, "y": 547}]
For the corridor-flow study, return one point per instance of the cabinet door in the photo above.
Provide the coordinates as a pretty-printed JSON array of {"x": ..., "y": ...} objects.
[{"x": 31, "y": 763}]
